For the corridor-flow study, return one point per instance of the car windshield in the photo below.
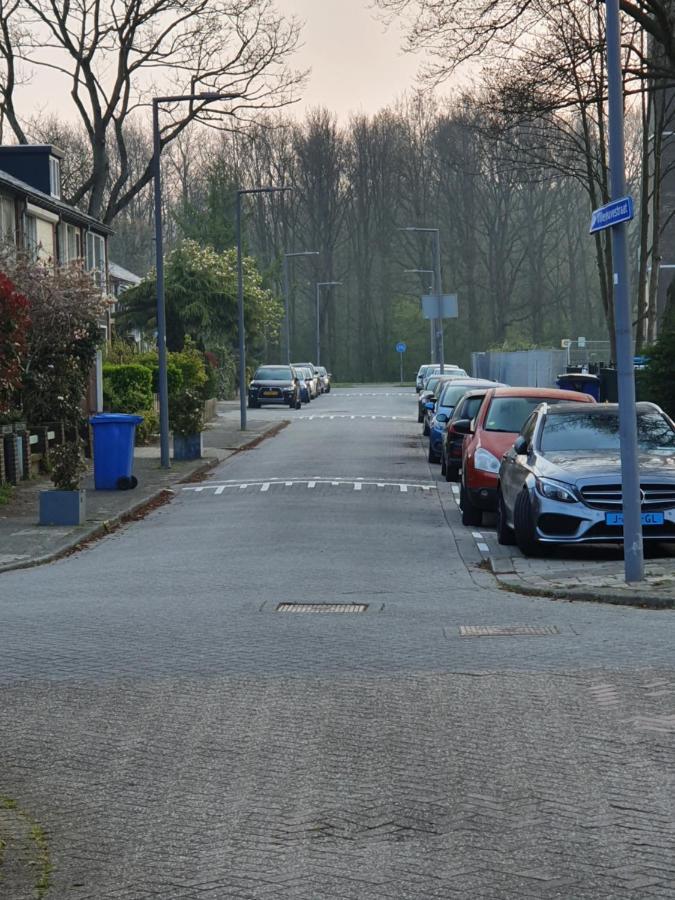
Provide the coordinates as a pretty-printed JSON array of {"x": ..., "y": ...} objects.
[
  {"x": 452, "y": 393},
  {"x": 273, "y": 373},
  {"x": 509, "y": 414},
  {"x": 598, "y": 432}
]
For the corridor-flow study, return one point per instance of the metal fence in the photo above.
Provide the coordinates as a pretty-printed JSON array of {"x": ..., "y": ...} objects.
[{"x": 522, "y": 368}]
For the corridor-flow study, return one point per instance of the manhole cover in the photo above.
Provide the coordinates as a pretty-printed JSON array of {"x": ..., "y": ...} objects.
[
  {"x": 506, "y": 630},
  {"x": 322, "y": 607}
]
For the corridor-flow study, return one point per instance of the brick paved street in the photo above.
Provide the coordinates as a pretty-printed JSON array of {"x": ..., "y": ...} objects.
[{"x": 177, "y": 737}]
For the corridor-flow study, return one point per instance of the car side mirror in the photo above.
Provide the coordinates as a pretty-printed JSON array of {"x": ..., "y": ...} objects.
[
  {"x": 462, "y": 426},
  {"x": 441, "y": 417},
  {"x": 429, "y": 405},
  {"x": 521, "y": 446}
]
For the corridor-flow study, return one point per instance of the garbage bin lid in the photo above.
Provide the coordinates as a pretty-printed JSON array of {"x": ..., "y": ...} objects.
[
  {"x": 115, "y": 419},
  {"x": 577, "y": 376}
]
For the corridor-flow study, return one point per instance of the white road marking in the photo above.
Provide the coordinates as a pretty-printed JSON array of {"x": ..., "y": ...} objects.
[
  {"x": 357, "y": 485},
  {"x": 478, "y": 535},
  {"x": 482, "y": 547},
  {"x": 219, "y": 490},
  {"x": 263, "y": 488},
  {"x": 242, "y": 487},
  {"x": 404, "y": 488},
  {"x": 311, "y": 484}
]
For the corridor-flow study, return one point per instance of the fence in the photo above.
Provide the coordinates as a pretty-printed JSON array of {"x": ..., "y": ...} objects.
[{"x": 520, "y": 368}]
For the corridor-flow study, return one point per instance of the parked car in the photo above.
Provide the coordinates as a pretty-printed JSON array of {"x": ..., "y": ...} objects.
[
  {"x": 421, "y": 373},
  {"x": 274, "y": 384},
  {"x": 497, "y": 424},
  {"x": 428, "y": 397},
  {"x": 450, "y": 393},
  {"x": 305, "y": 396},
  {"x": 325, "y": 379},
  {"x": 451, "y": 441},
  {"x": 560, "y": 483},
  {"x": 310, "y": 377}
]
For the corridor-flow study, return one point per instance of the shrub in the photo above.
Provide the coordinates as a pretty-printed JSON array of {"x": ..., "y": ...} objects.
[
  {"x": 149, "y": 427},
  {"x": 67, "y": 465},
  {"x": 186, "y": 412},
  {"x": 127, "y": 387},
  {"x": 14, "y": 325}
]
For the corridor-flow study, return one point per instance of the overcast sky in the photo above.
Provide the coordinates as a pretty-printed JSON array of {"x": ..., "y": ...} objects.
[{"x": 357, "y": 65}]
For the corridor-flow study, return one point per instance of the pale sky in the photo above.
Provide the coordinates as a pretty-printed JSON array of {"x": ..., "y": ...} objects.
[{"x": 357, "y": 64}]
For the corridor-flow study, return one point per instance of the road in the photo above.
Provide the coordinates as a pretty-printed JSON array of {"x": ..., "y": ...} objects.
[{"x": 176, "y": 736}]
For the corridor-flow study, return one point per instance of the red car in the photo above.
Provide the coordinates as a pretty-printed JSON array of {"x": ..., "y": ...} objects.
[{"x": 498, "y": 422}]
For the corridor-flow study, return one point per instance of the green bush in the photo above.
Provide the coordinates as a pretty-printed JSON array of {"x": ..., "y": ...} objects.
[
  {"x": 149, "y": 427},
  {"x": 174, "y": 376},
  {"x": 127, "y": 387},
  {"x": 186, "y": 413}
]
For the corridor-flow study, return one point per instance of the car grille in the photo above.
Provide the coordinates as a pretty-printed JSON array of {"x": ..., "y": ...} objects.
[{"x": 609, "y": 496}]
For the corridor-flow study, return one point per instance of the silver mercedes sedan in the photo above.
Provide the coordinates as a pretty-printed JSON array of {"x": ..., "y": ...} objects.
[{"x": 560, "y": 483}]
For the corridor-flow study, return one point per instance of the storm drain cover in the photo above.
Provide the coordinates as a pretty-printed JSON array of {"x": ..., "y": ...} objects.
[
  {"x": 506, "y": 630},
  {"x": 322, "y": 607}
]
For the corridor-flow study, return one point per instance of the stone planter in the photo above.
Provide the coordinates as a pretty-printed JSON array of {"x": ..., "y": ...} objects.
[
  {"x": 63, "y": 507},
  {"x": 187, "y": 446}
]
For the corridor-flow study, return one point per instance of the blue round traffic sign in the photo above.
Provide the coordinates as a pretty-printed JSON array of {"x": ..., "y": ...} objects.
[{"x": 401, "y": 347}]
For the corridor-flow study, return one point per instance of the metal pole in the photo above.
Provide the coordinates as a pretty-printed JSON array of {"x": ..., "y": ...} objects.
[
  {"x": 630, "y": 467},
  {"x": 318, "y": 328},
  {"x": 401, "y": 361},
  {"x": 242, "y": 334},
  {"x": 287, "y": 308},
  {"x": 164, "y": 453},
  {"x": 439, "y": 294},
  {"x": 432, "y": 324}
]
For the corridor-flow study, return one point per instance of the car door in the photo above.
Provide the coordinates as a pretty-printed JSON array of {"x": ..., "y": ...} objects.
[{"x": 514, "y": 469}]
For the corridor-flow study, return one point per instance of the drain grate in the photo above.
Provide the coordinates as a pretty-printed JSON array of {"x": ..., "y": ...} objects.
[
  {"x": 322, "y": 607},
  {"x": 506, "y": 630}
]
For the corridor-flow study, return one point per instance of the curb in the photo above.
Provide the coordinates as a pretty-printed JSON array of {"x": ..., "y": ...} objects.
[
  {"x": 104, "y": 528},
  {"x": 585, "y": 595}
]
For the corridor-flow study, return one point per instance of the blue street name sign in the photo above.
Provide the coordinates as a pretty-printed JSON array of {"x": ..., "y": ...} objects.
[
  {"x": 613, "y": 214},
  {"x": 401, "y": 347}
]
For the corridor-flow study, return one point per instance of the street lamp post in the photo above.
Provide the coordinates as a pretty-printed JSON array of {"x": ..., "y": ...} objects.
[
  {"x": 287, "y": 299},
  {"x": 206, "y": 96},
  {"x": 319, "y": 285},
  {"x": 630, "y": 466},
  {"x": 432, "y": 336},
  {"x": 438, "y": 323},
  {"x": 240, "y": 298}
]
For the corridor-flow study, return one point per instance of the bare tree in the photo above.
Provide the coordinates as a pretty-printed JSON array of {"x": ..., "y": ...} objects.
[{"x": 113, "y": 56}]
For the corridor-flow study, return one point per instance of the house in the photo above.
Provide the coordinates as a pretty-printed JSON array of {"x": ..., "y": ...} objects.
[{"x": 33, "y": 215}]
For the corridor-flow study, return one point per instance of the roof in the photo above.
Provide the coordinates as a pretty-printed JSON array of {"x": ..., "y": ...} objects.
[
  {"x": 543, "y": 393},
  {"x": 123, "y": 274},
  {"x": 603, "y": 409},
  {"x": 53, "y": 204}
]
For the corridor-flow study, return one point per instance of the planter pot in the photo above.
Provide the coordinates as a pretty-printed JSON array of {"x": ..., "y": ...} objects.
[
  {"x": 63, "y": 507},
  {"x": 187, "y": 446}
]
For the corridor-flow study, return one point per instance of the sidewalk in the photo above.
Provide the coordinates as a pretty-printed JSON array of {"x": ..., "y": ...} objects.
[
  {"x": 595, "y": 580},
  {"x": 25, "y": 543}
]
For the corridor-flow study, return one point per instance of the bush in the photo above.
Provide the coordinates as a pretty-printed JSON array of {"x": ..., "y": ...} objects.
[
  {"x": 149, "y": 427},
  {"x": 67, "y": 465},
  {"x": 186, "y": 413},
  {"x": 127, "y": 387}
]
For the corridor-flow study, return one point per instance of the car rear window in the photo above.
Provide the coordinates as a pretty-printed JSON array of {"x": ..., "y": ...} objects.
[
  {"x": 273, "y": 373},
  {"x": 599, "y": 432},
  {"x": 452, "y": 394},
  {"x": 509, "y": 414},
  {"x": 471, "y": 406}
]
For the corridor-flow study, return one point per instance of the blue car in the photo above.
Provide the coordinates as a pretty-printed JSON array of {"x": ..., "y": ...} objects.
[{"x": 442, "y": 410}]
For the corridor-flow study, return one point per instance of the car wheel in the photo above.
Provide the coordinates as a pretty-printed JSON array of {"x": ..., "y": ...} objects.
[
  {"x": 471, "y": 515},
  {"x": 253, "y": 405},
  {"x": 426, "y": 430},
  {"x": 523, "y": 522},
  {"x": 505, "y": 535},
  {"x": 420, "y": 418},
  {"x": 433, "y": 457},
  {"x": 451, "y": 472},
  {"x": 443, "y": 466},
  {"x": 298, "y": 404}
]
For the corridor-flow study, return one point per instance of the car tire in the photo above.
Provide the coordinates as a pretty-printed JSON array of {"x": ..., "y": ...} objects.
[
  {"x": 471, "y": 515},
  {"x": 426, "y": 430},
  {"x": 253, "y": 405},
  {"x": 505, "y": 535},
  {"x": 443, "y": 466},
  {"x": 432, "y": 457},
  {"x": 523, "y": 522},
  {"x": 298, "y": 404},
  {"x": 420, "y": 418},
  {"x": 451, "y": 472}
]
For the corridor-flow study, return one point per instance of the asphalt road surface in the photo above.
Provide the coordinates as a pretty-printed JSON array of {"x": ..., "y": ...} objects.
[{"x": 176, "y": 735}]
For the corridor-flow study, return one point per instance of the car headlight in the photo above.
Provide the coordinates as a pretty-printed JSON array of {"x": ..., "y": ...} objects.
[
  {"x": 485, "y": 461},
  {"x": 554, "y": 490}
]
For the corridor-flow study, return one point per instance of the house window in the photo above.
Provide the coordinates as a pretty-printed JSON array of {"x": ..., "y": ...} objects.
[
  {"x": 7, "y": 221},
  {"x": 95, "y": 256},
  {"x": 55, "y": 177},
  {"x": 70, "y": 243},
  {"x": 31, "y": 236}
]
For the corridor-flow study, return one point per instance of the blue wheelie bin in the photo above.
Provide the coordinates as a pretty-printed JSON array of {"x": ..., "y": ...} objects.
[
  {"x": 114, "y": 435},
  {"x": 580, "y": 381}
]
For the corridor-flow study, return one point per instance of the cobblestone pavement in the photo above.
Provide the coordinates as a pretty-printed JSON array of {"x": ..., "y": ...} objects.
[{"x": 178, "y": 737}]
